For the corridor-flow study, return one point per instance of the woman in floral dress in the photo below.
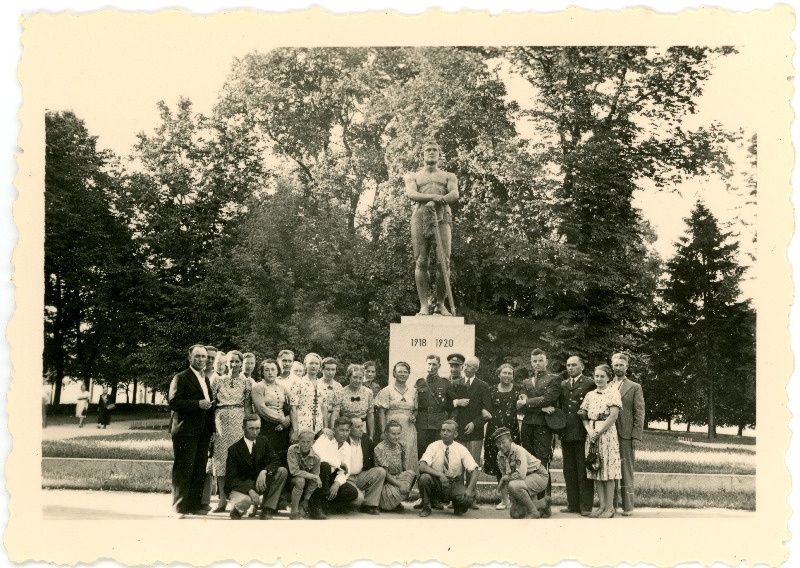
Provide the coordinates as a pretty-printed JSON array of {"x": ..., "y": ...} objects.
[
  {"x": 304, "y": 400},
  {"x": 268, "y": 402},
  {"x": 230, "y": 393},
  {"x": 355, "y": 400},
  {"x": 504, "y": 414},
  {"x": 390, "y": 455},
  {"x": 599, "y": 412},
  {"x": 399, "y": 402}
]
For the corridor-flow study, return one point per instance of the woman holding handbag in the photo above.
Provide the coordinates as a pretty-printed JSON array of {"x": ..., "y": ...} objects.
[
  {"x": 599, "y": 412},
  {"x": 104, "y": 408}
]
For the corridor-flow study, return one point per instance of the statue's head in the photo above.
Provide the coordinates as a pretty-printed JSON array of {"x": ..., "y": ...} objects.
[{"x": 431, "y": 151}]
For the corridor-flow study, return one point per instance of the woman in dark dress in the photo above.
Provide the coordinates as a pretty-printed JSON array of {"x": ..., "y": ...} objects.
[
  {"x": 103, "y": 410},
  {"x": 504, "y": 414}
]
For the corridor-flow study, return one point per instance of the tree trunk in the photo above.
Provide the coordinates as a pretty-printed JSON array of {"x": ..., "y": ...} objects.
[
  {"x": 688, "y": 426},
  {"x": 669, "y": 424},
  {"x": 153, "y": 396},
  {"x": 740, "y": 431},
  {"x": 135, "y": 388},
  {"x": 712, "y": 419},
  {"x": 113, "y": 394}
]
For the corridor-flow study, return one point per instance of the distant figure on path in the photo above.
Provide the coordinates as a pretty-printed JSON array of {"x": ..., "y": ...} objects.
[
  {"x": 433, "y": 191},
  {"x": 82, "y": 405},
  {"x": 104, "y": 408}
]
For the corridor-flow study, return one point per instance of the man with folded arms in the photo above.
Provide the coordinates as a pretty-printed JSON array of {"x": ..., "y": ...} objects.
[
  {"x": 523, "y": 473},
  {"x": 442, "y": 469},
  {"x": 335, "y": 468},
  {"x": 253, "y": 473}
]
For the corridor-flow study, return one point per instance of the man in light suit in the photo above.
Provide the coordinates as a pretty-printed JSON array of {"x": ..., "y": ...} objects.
[
  {"x": 192, "y": 425},
  {"x": 630, "y": 424},
  {"x": 253, "y": 469},
  {"x": 580, "y": 489}
]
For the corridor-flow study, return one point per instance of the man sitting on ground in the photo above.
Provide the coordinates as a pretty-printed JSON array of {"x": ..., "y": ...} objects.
[
  {"x": 523, "y": 473},
  {"x": 442, "y": 469},
  {"x": 252, "y": 470},
  {"x": 335, "y": 467},
  {"x": 363, "y": 473}
]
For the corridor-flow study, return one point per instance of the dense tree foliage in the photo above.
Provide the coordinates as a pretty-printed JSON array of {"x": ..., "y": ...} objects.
[{"x": 281, "y": 221}]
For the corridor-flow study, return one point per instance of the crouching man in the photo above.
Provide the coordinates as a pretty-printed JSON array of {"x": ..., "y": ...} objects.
[
  {"x": 524, "y": 475},
  {"x": 442, "y": 469},
  {"x": 253, "y": 473},
  {"x": 304, "y": 467}
]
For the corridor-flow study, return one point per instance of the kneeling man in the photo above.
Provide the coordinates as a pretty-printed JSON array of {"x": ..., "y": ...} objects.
[
  {"x": 442, "y": 469},
  {"x": 523, "y": 473},
  {"x": 252, "y": 471}
]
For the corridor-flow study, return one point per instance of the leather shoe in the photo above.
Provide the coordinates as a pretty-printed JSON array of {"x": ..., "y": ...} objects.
[
  {"x": 317, "y": 515},
  {"x": 220, "y": 509},
  {"x": 370, "y": 510},
  {"x": 236, "y": 515},
  {"x": 425, "y": 512},
  {"x": 626, "y": 513},
  {"x": 295, "y": 516},
  {"x": 585, "y": 513},
  {"x": 266, "y": 513},
  {"x": 398, "y": 509},
  {"x": 437, "y": 505}
]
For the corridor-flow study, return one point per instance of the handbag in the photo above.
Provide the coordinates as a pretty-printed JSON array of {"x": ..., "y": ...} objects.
[
  {"x": 592, "y": 457},
  {"x": 111, "y": 406}
]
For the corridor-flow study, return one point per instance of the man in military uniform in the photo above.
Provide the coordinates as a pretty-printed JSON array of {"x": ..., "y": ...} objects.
[
  {"x": 435, "y": 397},
  {"x": 580, "y": 489},
  {"x": 539, "y": 396},
  {"x": 433, "y": 191}
]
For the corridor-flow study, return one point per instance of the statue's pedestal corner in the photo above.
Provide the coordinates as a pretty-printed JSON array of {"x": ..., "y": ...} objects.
[{"x": 435, "y": 320}]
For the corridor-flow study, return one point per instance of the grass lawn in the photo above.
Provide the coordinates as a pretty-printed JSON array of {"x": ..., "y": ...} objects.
[
  {"x": 658, "y": 452},
  {"x": 143, "y": 413}
]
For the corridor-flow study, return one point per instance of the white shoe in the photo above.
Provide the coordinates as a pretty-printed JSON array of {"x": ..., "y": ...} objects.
[{"x": 502, "y": 506}]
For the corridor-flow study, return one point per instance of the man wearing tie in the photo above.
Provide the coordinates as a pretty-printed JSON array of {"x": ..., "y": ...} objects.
[
  {"x": 442, "y": 470},
  {"x": 252, "y": 470},
  {"x": 472, "y": 407},
  {"x": 580, "y": 489},
  {"x": 630, "y": 424},
  {"x": 192, "y": 426}
]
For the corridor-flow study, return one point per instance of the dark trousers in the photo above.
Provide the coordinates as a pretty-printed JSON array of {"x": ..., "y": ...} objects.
[
  {"x": 580, "y": 489},
  {"x": 347, "y": 492},
  {"x": 431, "y": 489},
  {"x": 538, "y": 440},
  {"x": 424, "y": 439},
  {"x": 189, "y": 471}
]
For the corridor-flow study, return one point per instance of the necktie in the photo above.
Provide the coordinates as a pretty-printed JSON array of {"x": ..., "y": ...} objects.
[{"x": 446, "y": 460}]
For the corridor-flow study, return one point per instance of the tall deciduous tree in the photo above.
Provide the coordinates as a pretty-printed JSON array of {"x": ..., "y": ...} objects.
[
  {"x": 704, "y": 345},
  {"x": 91, "y": 275}
]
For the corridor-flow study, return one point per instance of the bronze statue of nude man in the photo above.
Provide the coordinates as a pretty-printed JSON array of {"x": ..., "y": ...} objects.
[{"x": 433, "y": 191}]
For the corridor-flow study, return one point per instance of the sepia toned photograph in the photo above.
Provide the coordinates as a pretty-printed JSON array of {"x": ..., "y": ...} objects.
[{"x": 505, "y": 285}]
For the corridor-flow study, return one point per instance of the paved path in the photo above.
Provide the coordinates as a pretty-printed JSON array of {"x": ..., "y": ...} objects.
[
  {"x": 65, "y": 431},
  {"x": 122, "y": 505}
]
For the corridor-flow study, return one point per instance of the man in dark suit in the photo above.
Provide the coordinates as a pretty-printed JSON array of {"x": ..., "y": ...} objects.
[
  {"x": 192, "y": 426},
  {"x": 580, "y": 489},
  {"x": 630, "y": 424},
  {"x": 253, "y": 473},
  {"x": 539, "y": 397},
  {"x": 367, "y": 478},
  {"x": 472, "y": 407}
]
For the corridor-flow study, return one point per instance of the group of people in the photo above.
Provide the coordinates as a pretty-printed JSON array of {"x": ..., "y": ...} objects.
[
  {"x": 104, "y": 407},
  {"x": 279, "y": 434}
]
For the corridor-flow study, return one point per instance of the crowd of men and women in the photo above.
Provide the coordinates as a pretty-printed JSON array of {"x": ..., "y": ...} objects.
[{"x": 280, "y": 434}]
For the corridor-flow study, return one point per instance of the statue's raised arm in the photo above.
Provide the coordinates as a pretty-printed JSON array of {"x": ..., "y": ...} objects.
[{"x": 433, "y": 191}]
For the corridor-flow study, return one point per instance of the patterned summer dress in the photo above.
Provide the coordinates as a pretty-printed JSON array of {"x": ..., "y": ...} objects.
[
  {"x": 231, "y": 395},
  {"x": 597, "y": 405},
  {"x": 504, "y": 413},
  {"x": 391, "y": 459},
  {"x": 305, "y": 398}
]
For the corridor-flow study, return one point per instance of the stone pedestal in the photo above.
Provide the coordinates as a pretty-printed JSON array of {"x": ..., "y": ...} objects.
[{"x": 416, "y": 337}]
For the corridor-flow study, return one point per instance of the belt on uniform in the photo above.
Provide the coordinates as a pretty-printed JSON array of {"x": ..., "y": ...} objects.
[{"x": 219, "y": 406}]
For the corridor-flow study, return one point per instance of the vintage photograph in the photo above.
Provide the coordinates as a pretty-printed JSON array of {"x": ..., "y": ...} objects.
[{"x": 508, "y": 282}]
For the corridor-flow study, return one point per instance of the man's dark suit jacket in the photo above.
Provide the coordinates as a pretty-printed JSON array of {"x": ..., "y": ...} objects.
[
  {"x": 479, "y": 395},
  {"x": 630, "y": 421},
  {"x": 188, "y": 419},
  {"x": 571, "y": 400},
  {"x": 368, "y": 451},
  {"x": 242, "y": 469},
  {"x": 543, "y": 391}
]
